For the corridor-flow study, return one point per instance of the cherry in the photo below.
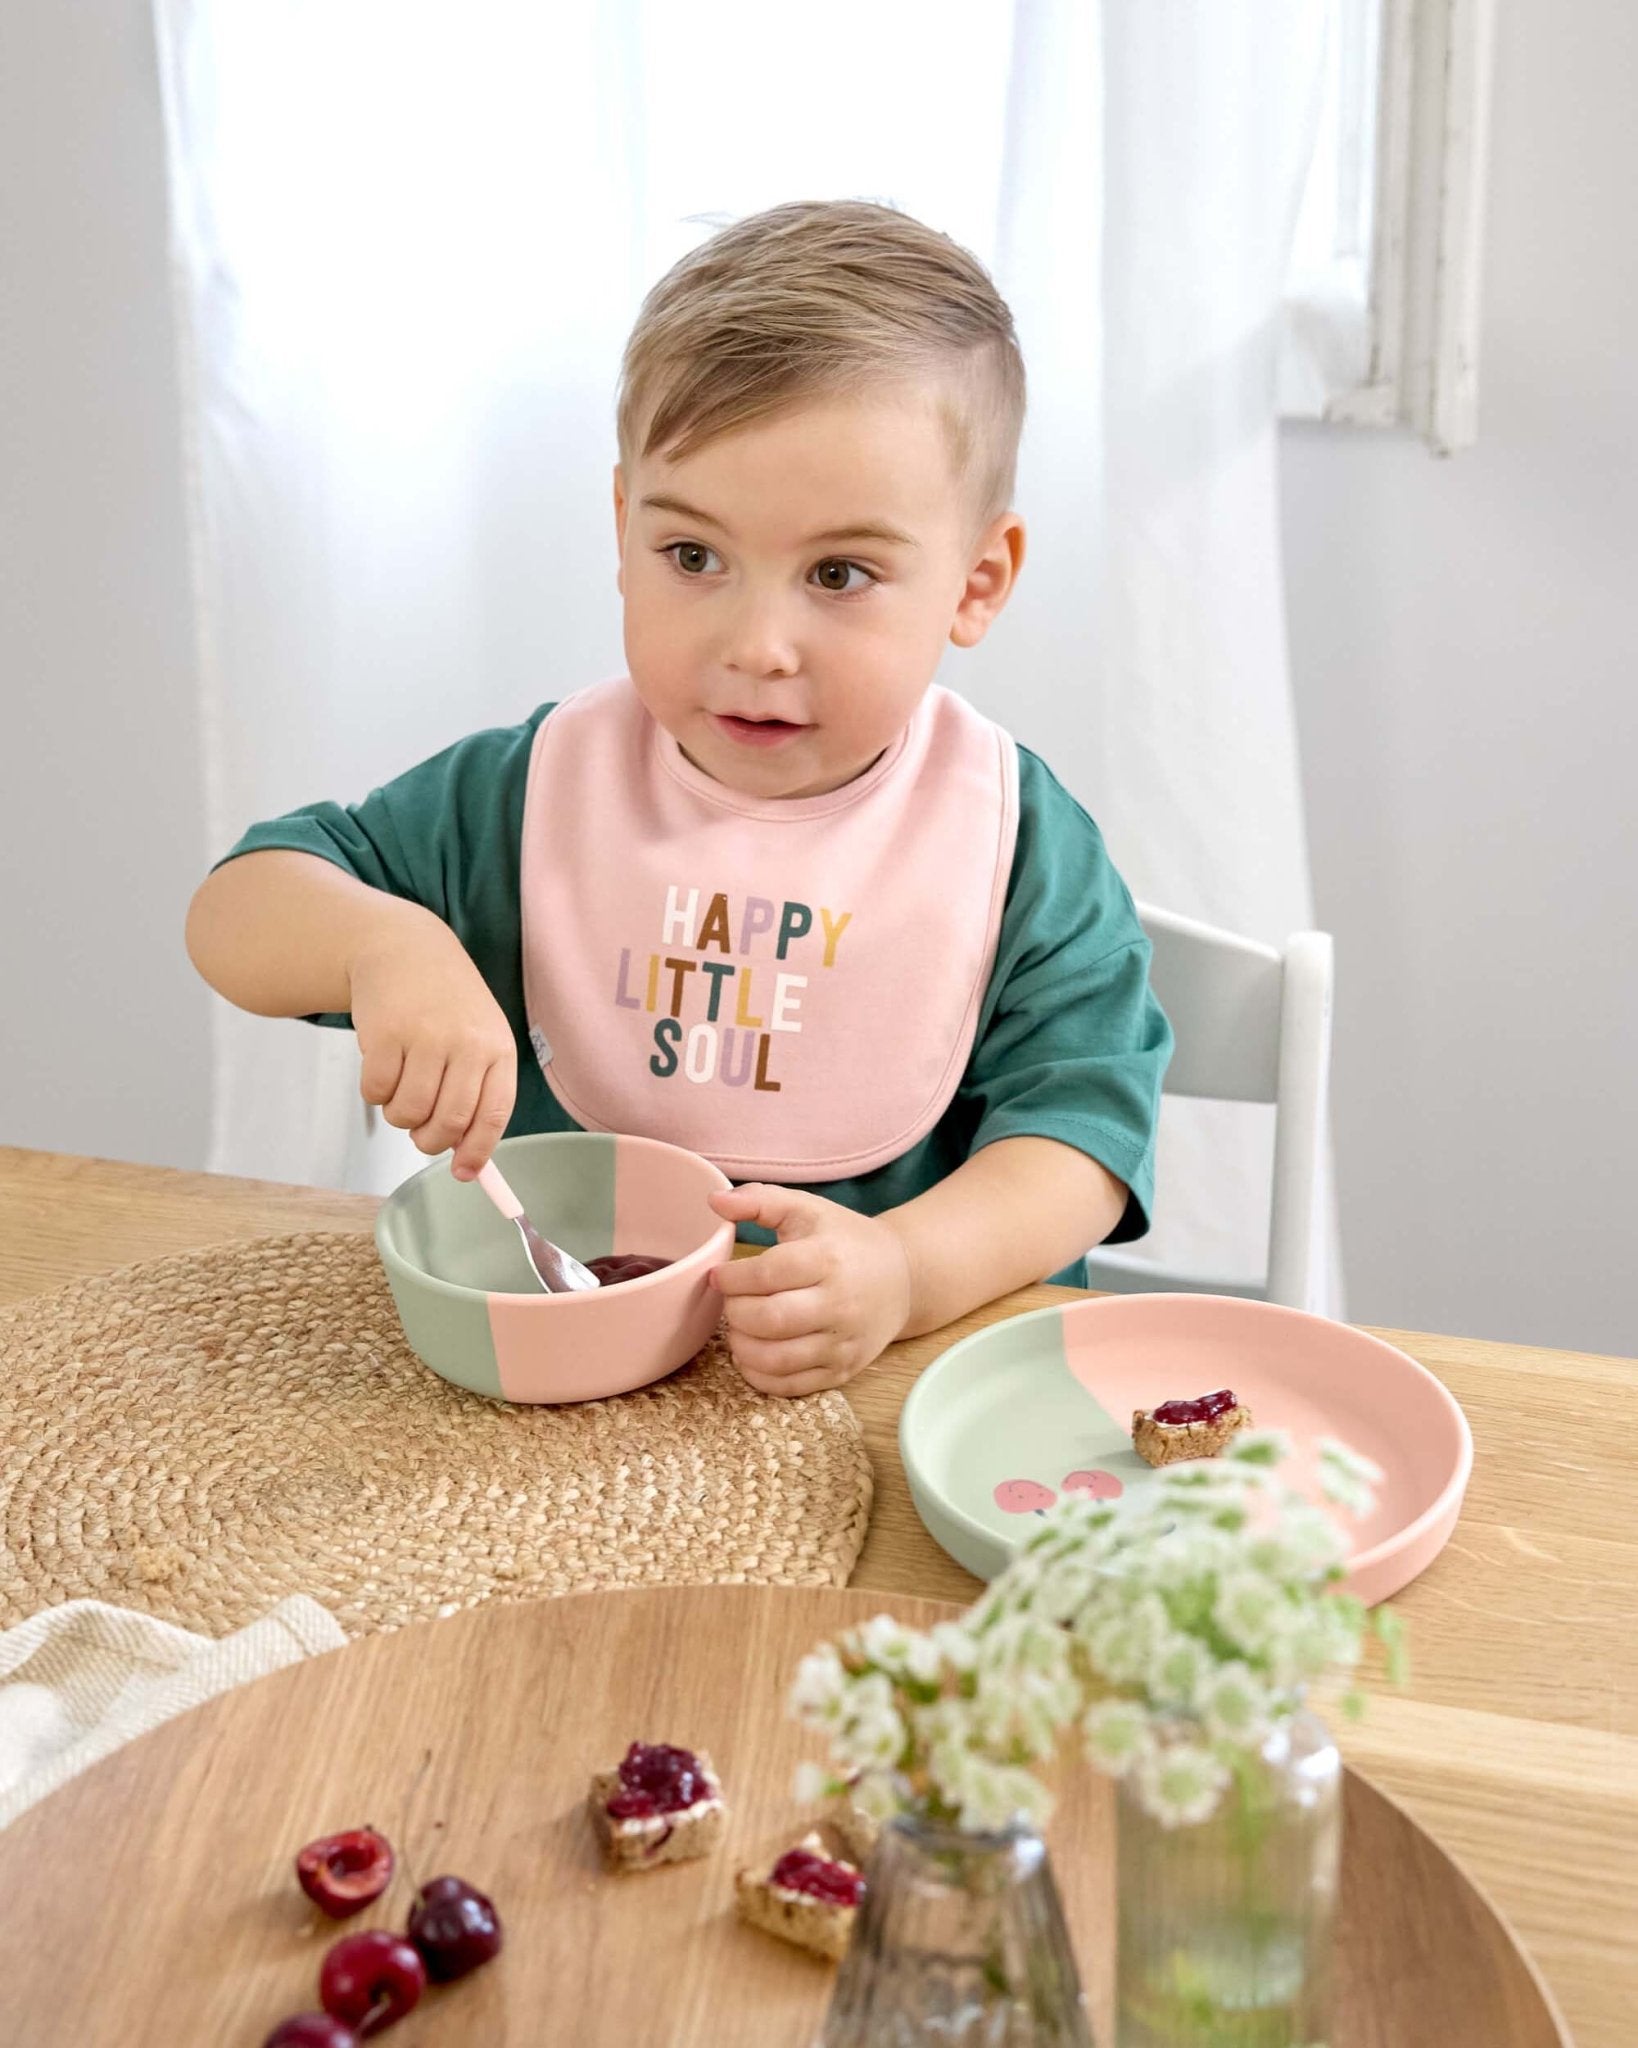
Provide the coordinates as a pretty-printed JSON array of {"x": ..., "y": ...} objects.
[
  {"x": 613, "y": 1267},
  {"x": 1206, "y": 1409},
  {"x": 1094, "y": 1485},
  {"x": 371, "y": 1980},
  {"x": 800, "y": 1870},
  {"x": 1023, "y": 1497},
  {"x": 341, "y": 1873},
  {"x": 311, "y": 2030},
  {"x": 455, "y": 1928},
  {"x": 655, "y": 1778}
]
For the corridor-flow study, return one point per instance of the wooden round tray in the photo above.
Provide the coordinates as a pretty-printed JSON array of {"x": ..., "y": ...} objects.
[{"x": 153, "y": 1900}]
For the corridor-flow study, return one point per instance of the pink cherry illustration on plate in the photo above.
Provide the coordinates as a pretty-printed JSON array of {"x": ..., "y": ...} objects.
[
  {"x": 1023, "y": 1497},
  {"x": 1094, "y": 1485}
]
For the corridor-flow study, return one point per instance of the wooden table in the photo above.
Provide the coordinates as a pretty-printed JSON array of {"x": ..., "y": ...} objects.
[{"x": 1516, "y": 1741}]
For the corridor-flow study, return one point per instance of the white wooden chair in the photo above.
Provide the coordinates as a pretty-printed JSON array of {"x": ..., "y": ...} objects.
[{"x": 1252, "y": 1025}]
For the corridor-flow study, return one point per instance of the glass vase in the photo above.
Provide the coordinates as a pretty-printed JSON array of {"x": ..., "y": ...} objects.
[
  {"x": 1225, "y": 1927},
  {"x": 960, "y": 1940}
]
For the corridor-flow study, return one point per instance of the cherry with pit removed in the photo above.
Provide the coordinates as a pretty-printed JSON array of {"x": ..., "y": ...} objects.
[
  {"x": 342, "y": 1873},
  {"x": 371, "y": 1980},
  {"x": 311, "y": 2030},
  {"x": 454, "y": 1927}
]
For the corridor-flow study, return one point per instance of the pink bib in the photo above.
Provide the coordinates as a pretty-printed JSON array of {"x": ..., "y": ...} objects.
[{"x": 789, "y": 988}]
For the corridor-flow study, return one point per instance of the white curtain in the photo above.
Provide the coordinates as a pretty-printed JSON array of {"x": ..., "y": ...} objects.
[{"x": 409, "y": 243}]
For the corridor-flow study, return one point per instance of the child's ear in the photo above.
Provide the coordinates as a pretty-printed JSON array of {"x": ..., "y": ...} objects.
[
  {"x": 989, "y": 583},
  {"x": 620, "y": 528}
]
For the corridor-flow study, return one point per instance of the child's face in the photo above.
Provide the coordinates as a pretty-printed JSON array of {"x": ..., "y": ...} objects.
[{"x": 790, "y": 586}]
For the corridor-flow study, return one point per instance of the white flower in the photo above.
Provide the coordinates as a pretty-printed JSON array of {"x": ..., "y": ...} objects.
[
  {"x": 1187, "y": 1556},
  {"x": 884, "y": 1642},
  {"x": 1176, "y": 1626},
  {"x": 1311, "y": 1544},
  {"x": 872, "y": 1742},
  {"x": 943, "y": 1720},
  {"x": 819, "y": 1692},
  {"x": 1123, "y": 1634},
  {"x": 1118, "y": 1734},
  {"x": 1347, "y": 1477},
  {"x": 923, "y": 1660},
  {"x": 996, "y": 1796},
  {"x": 1032, "y": 1709},
  {"x": 1178, "y": 1669},
  {"x": 1234, "y": 1705},
  {"x": 1180, "y": 1784},
  {"x": 811, "y": 1783},
  {"x": 1066, "y": 1591},
  {"x": 875, "y": 1795},
  {"x": 870, "y": 1694},
  {"x": 955, "y": 1644},
  {"x": 1250, "y": 1610}
]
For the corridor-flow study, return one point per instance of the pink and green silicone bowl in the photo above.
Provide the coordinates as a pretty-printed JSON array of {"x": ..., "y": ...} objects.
[{"x": 470, "y": 1304}]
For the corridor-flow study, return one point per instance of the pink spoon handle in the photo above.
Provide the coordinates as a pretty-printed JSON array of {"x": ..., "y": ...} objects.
[
  {"x": 558, "y": 1271},
  {"x": 494, "y": 1184}
]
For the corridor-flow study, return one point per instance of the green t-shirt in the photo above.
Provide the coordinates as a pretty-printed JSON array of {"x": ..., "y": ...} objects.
[{"x": 1071, "y": 1043}]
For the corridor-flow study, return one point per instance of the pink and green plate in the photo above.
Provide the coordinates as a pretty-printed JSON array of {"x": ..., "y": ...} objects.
[{"x": 1005, "y": 1422}]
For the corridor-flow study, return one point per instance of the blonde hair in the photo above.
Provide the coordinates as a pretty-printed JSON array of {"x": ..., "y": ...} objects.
[{"x": 820, "y": 299}]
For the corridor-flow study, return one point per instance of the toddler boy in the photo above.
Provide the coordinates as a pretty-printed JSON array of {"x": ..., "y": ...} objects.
[{"x": 773, "y": 895}]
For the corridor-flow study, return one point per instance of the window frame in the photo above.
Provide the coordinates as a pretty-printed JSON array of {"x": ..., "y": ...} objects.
[{"x": 1432, "y": 137}]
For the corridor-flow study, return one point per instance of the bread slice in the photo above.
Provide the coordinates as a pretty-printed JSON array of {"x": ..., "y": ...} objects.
[
  {"x": 822, "y": 1926},
  {"x": 645, "y": 1841},
  {"x": 1169, "y": 1443}
]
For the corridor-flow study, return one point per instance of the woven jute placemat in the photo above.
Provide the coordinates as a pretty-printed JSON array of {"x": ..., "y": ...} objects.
[{"x": 203, "y": 1435}]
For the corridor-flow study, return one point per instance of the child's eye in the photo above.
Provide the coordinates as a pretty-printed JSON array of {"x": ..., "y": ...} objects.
[
  {"x": 692, "y": 557},
  {"x": 834, "y": 574}
]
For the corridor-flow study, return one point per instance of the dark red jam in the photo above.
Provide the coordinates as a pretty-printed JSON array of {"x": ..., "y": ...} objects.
[
  {"x": 613, "y": 1267},
  {"x": 1207, "y": 1409},
  {"x": 655, "y": 1778},
  {"x": 799, "y": 1870}
]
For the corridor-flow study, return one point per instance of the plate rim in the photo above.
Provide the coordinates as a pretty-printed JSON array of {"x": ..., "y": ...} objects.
[{"x": 1446, "y": 1503}]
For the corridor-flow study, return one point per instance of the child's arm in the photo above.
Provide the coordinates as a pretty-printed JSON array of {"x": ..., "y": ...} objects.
[
  {"x": 288, "y": 934},
  {"x": 1019, "y": 1209},
  {"x": 839, "y": 1287}
]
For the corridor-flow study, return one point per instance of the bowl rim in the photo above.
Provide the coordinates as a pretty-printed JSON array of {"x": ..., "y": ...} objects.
[
  {"x": 716, "y": 1248},
  {"x": 1446, "y": 1504}
]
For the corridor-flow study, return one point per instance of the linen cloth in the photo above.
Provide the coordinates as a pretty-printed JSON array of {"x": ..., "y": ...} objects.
[{"x": 79, "y": 1680}]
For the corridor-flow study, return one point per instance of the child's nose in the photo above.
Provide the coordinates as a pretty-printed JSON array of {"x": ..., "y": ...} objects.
[{"x": 759, "y": 642}]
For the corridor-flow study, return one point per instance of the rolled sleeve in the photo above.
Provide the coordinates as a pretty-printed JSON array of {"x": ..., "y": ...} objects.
[{"x": 1073, "y": 1044}]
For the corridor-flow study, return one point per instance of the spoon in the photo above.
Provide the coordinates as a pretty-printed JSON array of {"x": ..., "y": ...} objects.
[{"x": 556, "y": 1270}]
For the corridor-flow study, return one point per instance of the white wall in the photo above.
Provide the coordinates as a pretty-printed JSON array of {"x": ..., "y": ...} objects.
[
  {"x": 1465, "y": 646},
  {"x": 1462, "y": 637},
  {"x": 102, "y": 1021}
]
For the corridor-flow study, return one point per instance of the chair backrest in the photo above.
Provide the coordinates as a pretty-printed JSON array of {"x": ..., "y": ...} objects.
[{"x": 1252, "y": 1025}]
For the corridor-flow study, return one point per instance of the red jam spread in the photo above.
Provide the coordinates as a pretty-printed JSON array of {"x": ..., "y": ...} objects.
[
  {"x": 817, "y": 1877},
  {"x": 613, "y": 1267},
  {"x": 655, "y": 1778},
  {"x": 1207, "y": 1409}
]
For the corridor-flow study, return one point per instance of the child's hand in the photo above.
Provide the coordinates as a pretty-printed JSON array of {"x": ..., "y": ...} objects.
[
  {"x": 439, "y": 1056},
  {"x": 820, "y": 1305}
]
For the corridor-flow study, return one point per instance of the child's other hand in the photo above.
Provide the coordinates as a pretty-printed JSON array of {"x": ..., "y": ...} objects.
[
  {"x": 820, "y": 1305},
  {"x": 439, "y": 1057}
]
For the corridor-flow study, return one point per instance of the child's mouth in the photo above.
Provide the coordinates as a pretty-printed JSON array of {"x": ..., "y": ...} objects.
[{"x": 757, "y": 732}]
